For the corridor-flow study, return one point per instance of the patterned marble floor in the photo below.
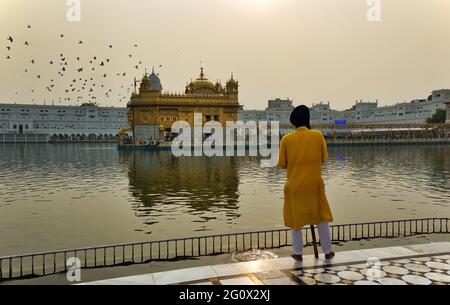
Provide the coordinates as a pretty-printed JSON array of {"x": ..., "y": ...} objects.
[
  {"x": 420, "y": 270},
  {"x": 427, "y": 264}
]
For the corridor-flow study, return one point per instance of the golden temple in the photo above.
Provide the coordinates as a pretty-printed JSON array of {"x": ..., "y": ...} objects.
[{"x": 151, "y": 112}]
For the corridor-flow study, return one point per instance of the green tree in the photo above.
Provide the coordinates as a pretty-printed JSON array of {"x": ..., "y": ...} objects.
[{"x": 439, "y": 117}]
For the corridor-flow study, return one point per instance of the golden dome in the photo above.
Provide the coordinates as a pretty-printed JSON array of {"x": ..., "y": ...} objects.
[{"x": 201, "y": 85}]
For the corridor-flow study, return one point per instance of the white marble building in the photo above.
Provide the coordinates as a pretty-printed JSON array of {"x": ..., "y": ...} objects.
[
  {"x": 62, "y": 122},
  {"x": 448, "y": 112},
  {"x": 363, "y": 112}
]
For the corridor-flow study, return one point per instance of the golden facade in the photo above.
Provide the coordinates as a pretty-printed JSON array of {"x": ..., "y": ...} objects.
[{"x": 152, "y": 109}]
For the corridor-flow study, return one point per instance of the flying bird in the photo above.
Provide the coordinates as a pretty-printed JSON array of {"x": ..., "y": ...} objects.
[
  {"x": 62, "y": 35},
  {"x": 9, "y": 48},
  {"x": 102, "y": 64},
  {"x": 78, "y": 58},
  {"x": 38, "y": 76},
  {"x": 29, "y": 27},
  {"x": 130, "y": 55},
  {"x": 80, "y": 70},
  {"x": 8, "y": 57},
  {"x": 107, "y": 60},
  {"x": 51, "y": 62},
  {"x": 80, "y": 42},
  {"x": 32, "y": 61},
  {"x": 110, "y": 46},
  {"x": 26, "y": 43},
  {"x": 10, "y": 39}
]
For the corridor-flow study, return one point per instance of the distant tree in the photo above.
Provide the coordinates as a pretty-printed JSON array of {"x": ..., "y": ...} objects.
[{"x": 439, "y": 117}]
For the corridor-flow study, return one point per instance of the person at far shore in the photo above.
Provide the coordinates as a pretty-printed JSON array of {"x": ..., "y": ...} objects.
[{"x": 302, "y": 153}]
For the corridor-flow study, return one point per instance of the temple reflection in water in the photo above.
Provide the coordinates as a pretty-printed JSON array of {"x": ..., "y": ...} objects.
[{"x": 164, "y": 184}]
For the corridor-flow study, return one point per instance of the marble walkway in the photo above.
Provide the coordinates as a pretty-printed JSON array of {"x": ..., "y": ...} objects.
[{"x": 425, "y": 264}]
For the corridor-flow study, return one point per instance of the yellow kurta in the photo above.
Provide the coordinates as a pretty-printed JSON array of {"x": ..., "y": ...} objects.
[{"x": 302, "y": 153}]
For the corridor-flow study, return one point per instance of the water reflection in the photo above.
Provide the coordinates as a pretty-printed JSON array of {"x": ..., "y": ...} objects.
[
  {"x": 206, "y": 187},
  {"x": 64, "y": 196}
]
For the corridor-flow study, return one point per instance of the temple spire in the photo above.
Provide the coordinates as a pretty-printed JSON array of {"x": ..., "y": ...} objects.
[{"x": 202, "y": 74}]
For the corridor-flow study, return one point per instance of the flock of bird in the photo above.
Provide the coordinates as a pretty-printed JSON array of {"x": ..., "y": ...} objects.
[{"x": 77, "y": 80}]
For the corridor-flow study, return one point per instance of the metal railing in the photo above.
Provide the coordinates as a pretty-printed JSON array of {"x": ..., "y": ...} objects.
[{"x": 53, "y": 262}]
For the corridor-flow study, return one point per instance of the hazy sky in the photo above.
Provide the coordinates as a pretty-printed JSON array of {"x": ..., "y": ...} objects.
[{"x": 308, "y": 50}]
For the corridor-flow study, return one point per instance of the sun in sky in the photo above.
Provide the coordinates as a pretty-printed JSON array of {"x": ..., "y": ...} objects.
[{"x": 256, "y": 4}]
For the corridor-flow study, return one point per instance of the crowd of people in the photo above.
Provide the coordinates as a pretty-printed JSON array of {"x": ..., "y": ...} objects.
[{"x": 388, "y": 134}]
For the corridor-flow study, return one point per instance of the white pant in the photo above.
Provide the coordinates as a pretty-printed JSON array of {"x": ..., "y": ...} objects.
[{"x": 324, "y": 234}]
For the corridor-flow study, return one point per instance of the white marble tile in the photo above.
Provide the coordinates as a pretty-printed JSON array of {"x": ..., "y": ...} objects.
[
  {"x": 431, "y": 248},
  {"x": 349, "y": 257},
  {"x": 395, "y": 270},
  {"x": 327, "y": 278},
  {"x": 279, "y": 281},
  {"x": 238, "y": 281},
  {"x": 307, "y": 280},
  {"x": 146, "y": 279},
  {"x": 202, "y": 284},
  {"x": 417, "y": 268},
  {"x": 373, "y": 273},
  {"x": 437, "y": 265},
  {"x": 243, "y": 268},
  {"x": 416, "y": 280},
  {"x": 391, "y": 281},
  {"x": 438, "y": 277},
  {"x": 338, "y": 268},
  {"x": 445, "y": 257},
  {"x": 421, "y": 259},
  {"x": 184, "y": 275},
  {"x": 270, "y": 275},
  {"x": 350, "y": 275},
  {"x": 391, "y": 252},
  {"x": 366, "y": 283},
  {"x": 402, "y": 261}
]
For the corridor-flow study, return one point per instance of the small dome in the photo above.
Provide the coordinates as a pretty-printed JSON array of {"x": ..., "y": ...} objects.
[{"x": 155, "y": 82}]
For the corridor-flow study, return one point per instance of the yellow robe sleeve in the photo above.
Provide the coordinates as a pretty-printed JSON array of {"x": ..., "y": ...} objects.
[
  {"x": 324, "y": 150},
  {"x": 282, "y": 155}
]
